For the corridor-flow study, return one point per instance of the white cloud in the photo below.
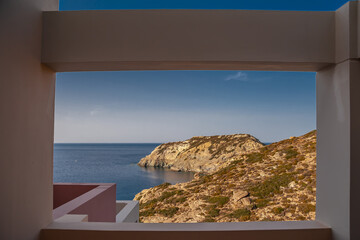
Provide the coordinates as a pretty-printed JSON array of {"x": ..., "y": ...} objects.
[{"x": 239, "y": 76}]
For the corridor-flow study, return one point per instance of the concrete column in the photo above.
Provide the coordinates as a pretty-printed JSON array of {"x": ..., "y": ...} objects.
[
  {"x": 355, "y": 149},
  {"x": 338, "y": 115},
  {"x": 26, "y": 121}
]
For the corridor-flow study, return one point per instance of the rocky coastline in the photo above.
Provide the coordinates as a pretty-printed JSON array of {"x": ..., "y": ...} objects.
[
  {"x": 204, "y": 154},
  {"x": 276, "y": 182}
]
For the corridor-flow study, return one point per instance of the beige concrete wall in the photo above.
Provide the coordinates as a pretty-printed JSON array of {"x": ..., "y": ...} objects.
[
  {"x": 358, "y": 31},
  {"x": 188, "y": 39},
  {"x": 99, "y": 203},
  {"x": 300, "y": 230},
  {"x": 271, "y": 40},
  {"x": 346, "y": 34},
  {"x": 108, "y": 40},
  {"x": 26, "y": 121},
  {"x": 338, "y": 179},
  {"x": 333, "y": 148},
  {"x": 354, "y": 149},
  {"x": 338, "y": 118}
]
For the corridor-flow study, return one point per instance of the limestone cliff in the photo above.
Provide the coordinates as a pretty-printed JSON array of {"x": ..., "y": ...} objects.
[
  {"x": 274, "y": 183},
  {"x": 201, "y": 154}
]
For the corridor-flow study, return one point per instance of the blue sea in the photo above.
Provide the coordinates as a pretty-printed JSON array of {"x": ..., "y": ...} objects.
[{"x": 111, "y": 163}]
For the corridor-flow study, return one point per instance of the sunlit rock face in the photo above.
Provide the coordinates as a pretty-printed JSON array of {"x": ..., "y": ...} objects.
[
  {"x": 201, "y": 154},
  {"x": 276, "y": 182}
]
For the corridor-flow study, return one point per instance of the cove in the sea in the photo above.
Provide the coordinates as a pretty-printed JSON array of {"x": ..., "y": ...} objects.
[{"x": 111, "y": 163}]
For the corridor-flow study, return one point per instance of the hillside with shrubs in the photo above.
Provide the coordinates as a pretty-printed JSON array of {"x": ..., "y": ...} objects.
[{"x": 276, "y": 182}]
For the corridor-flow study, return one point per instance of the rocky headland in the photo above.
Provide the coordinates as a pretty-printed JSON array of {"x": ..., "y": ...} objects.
[
  {"x": 251, "y": 182},
  {"x": 201, "y": 154}
]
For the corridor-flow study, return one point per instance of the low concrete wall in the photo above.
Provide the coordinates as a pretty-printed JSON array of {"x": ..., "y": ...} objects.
[
  {"x": 71, "y": 218},
  {"x": 297, "y": 230},
  {"x": 99, "y": 203},
  {"x": 127, "y": 211},
  {"x": 65, "y": 192}
]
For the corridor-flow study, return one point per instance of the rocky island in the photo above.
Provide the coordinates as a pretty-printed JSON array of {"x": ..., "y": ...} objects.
[
  {"x": 248, "y": 182},
  {"x": 201, "y": 154}
]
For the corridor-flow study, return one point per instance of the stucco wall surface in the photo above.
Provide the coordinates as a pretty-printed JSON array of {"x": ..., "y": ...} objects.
[
  {"x": 98, "y": 203},
  {"x": 26, "y": 123},
  {"x": 188, "y": 39}
]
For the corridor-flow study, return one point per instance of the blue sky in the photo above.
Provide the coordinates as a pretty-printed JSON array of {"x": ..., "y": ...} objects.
[
  {"x": 162, "y": 106},
  {"x": 306, "y": 5}
]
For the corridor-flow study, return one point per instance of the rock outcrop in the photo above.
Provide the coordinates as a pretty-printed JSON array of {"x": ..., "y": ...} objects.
[
  {"x": 201, "y": 154},
  {"x": 274, "y": 183}
]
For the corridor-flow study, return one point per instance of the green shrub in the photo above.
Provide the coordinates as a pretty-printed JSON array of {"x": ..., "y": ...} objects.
[
  {"x": 218, "y": 200},
  {"x": 214, "y": 212},
  {"x": 290, "y": 152},
  {"x": 147, "y": 212},
  {"x": 149, "y": 204},
  {"x": 278, "y": 210},
  {"x": 224, "y": 172},
  {"x": 205, "y": 179},
  {"x": 242, "y": 214},
  {"x": 300, "y": 218},
  {"x": 168, "y": 212},
  {"x": 176, "y": 200},
  {"x": 306, "y": 208},
  {"x": 164, "y": 185},
  {"x": 261, "y": 202},
  {"x": 217, "y": 190},
  {"x": 254, "y": 157},
  {"x": 284, "y": 168},
  {"x": 271, "y": 186},
  {"x": 166, "y": 195},
  {"x": 211, "y": 210}
]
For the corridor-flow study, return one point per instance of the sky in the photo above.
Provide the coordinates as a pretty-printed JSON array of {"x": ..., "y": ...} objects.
[
  {"x": 163, "y": 106},
  {"x": 304, "y": 5}
]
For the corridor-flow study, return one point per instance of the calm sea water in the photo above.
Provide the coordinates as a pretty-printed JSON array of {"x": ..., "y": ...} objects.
[{"x": 111, "y": 163}]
